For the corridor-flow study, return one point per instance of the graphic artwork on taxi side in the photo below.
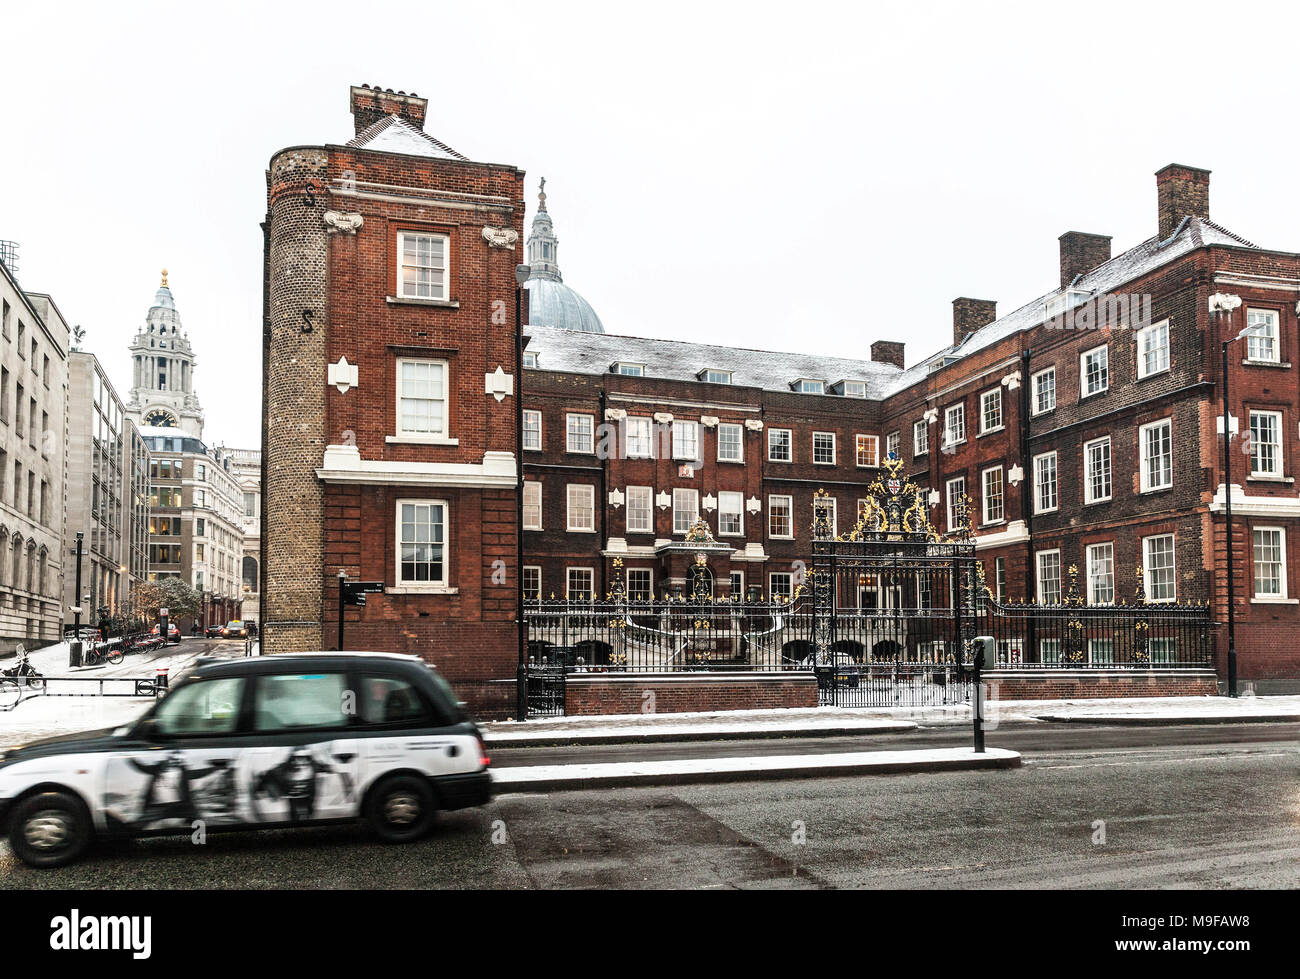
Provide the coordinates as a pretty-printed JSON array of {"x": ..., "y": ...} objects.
[
  {"x": 294, "y": 783},
  {"x": 154, "y": 792}
]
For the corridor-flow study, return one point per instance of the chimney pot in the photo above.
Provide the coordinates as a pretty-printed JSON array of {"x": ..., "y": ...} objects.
[
  {"x": 1081, "y": 253},
  {"x": 969, "y": 315},
  {"x": 1181, "y": 191},
  {"x": 887, "y": 352}
]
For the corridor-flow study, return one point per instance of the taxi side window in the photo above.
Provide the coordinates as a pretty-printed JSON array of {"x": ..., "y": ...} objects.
[
  {"x": 390, "y": 700},
  {"x": 300, "y": 701},
  {"x": 201, "y": 707}
]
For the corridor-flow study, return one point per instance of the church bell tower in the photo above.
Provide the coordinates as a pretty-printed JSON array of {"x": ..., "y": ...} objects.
[{"x": 162, "y": 371}]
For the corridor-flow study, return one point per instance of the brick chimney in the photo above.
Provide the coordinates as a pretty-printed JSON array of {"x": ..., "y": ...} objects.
[
  {"x": 1080, "y": 253},
  {"x": 369, "y": 105},
  {"x": 968, "y": 315},
  {"x": 1181, "y": 191},
  {"x": 887, "y": 352}
]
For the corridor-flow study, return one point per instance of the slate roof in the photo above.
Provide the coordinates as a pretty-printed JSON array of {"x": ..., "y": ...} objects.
[
  {"x": 593, "y": 353},
  {"x": 586, "y": 353},
  {"x": 392, "y": 134}
]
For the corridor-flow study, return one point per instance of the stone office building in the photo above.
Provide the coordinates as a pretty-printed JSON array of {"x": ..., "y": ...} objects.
[
  {"x": 33, "y": 417},
  {"x": 196, "y": 503},
  {"x": 108, "y": 495}
]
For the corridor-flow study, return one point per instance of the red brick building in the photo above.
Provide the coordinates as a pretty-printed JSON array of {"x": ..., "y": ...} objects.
[
  {"x": 1082, "y": 425},
  {"x": 390, "y": 410}
]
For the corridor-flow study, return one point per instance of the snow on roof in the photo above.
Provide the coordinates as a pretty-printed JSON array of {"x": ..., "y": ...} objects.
[
  {"x": 393, "y": 134},
  {"x": 592, "y": 353},
  {"x": 586, "y": 353}
]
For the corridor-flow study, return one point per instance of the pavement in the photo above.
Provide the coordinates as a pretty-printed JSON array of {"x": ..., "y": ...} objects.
[
  {"x": 46, "y": 716},
  {"x": 747, "y": 768}
]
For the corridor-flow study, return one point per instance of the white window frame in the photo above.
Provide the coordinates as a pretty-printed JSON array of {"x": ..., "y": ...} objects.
[
  {"x": 867, "y": 440},
  {"x": 894, "y": 445},
  {"x": 1039, "y": 464},
  {"x": 532, "y": 414},
  {"x": 787, "y": 578},
  {"x": 533, "y": 487},
  {"x": 739, "y": 431},
  {"x": 1272, "y": 335},
  {"x": 1038, "y": 575},
  {"x": 413, "y": 435},
  {"x": 952, "y": 498},
  {"x": 832, "y": 504},
  {"x": 682, "y": 493},
  {"x": 680, "y": 428},
  {"x": 444, "y": 284},
  {"x": 789, "y": 444},
  {"x": 569, "y": 433},
  {"x": 985, "y": 496},
  {"x": 1144, "y": 482},
  {"x": 738, "y": 499},
  {"x": 713, "y": 375},
  {"x": 823, "y": 462},
  {"x": 638, "y": 437},
  {"x": 629, "y": 370},
  {"x": 948, "y": 427},
  {"x": 1036, "y": 389},
  {"x": 1276, "y": 471},
  {"x": 731, "y": 580},
  {"x": 414, "y": 585},
  {"x": 920, "y": 438},
  {"x": 1104, "y": 553},
  {"x": 627, "y": 582},
  {"x": 1282, "y": 594},
  {"x": 532, "y": 567},
  {"x": 573, "y": 493},
  {"x": 1147, "y": 565},
  {"x": 1088, "y": 492},
  {"x": 1084, "y": 391},
  {"x": 986, "y": 429},
  {"x": 648, "y": 509},
  {"x": 805, "y": 385},
  {"x": 1143, "y": 348},
  {"x": 530, "y": 363},
  {"x": 772, "y": 511},
  {"x": 568, "y": 582},
  {"x": 855, "y": 389}
]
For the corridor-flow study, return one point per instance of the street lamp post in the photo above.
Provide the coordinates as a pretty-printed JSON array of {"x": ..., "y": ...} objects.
[{"x": 1222, "y": 305}]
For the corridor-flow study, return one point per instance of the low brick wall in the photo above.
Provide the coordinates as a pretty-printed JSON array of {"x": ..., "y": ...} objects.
[
  {"x": 673, "y": 693},
  {"x": 1054, "y": 684}
]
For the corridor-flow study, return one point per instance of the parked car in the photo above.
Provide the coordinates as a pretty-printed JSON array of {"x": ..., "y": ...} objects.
[
  {"x": 254, "y": 744},
  {"x": 214, "y": 631},
  {"x": 234, "y": 630},
  {"x": 173, "y": 633}
]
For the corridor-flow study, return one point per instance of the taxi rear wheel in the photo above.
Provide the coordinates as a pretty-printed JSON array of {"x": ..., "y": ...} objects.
[
  {"x": 401, "y": 808},
  {"x": 49, "y": 829}
]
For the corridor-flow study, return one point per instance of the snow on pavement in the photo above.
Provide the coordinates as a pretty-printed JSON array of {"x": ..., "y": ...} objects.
[{"x": 677, "y": 770}]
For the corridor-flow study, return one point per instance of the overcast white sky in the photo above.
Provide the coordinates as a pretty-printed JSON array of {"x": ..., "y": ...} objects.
[{"x": 815, "y": 176}]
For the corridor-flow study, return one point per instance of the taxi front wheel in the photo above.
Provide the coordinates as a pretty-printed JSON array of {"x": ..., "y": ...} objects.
[
  {"x": 49, "y": 829},
  {"x": 401, "y": 808}
]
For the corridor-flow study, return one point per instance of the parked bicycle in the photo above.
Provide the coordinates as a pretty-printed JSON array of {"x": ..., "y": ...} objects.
[
  {"x": 18, "y": 676},
  {"x": 113, "y": 655}
]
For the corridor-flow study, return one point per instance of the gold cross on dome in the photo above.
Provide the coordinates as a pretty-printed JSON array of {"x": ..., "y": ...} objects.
[{"x": 164, "y": 279}]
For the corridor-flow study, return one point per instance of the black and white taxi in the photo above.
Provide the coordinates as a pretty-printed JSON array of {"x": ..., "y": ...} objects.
[{"x": 286, "y": 740}]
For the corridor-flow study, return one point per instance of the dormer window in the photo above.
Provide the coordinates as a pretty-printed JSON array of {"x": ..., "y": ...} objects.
[
  {"x": 530, "y": 359},
  {"x": 808, "y": 386},
  {"x": 711, "y": 375},
  {"x": 628, "y": 370},
  {"x": 851, "y": 389}
]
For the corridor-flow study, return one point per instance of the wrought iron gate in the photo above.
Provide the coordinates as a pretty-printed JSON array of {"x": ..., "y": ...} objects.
[{"x": 894, "y": 601}]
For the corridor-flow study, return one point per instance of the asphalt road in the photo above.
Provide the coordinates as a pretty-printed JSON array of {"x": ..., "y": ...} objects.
[{"x": 1193, "y": 806}]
